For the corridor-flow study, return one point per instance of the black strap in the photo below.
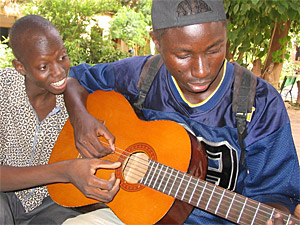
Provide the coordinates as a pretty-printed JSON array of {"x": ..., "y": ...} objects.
[
  {"x": 243, "y": 98},
  {"x": 148, "y": 73}
]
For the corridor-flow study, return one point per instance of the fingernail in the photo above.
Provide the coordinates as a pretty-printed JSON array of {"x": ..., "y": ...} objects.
[
  {"x": 277, "y": 215},
  {"x": 269, "y": 222}
]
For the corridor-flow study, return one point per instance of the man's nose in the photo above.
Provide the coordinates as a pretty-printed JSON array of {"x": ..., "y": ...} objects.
[{"x": 200, "y": 67}]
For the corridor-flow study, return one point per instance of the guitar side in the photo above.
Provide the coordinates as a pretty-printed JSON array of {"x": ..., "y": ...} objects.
[
  {"x": 164, "y": 141},
  {"x": 171, "y": 152}
]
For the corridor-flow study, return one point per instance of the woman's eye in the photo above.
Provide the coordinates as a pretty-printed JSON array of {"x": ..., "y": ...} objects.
[
  {"x": 63, "y": 57},
  {"x": 43, "y": 68}
]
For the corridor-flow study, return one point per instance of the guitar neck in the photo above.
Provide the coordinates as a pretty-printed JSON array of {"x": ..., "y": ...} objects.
[{"x": 209, "y": 197}]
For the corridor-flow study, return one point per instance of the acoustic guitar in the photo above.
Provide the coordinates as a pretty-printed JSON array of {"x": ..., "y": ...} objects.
[{"x": 162, "y": 173}]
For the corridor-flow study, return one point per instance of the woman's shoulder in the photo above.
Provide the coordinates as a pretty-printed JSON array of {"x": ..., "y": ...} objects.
[{"x": 10, "y": 77}]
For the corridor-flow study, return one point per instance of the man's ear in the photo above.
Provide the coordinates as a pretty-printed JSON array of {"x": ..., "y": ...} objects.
[
  {"x": 18, "y": 66},
  {"x": 156, "y": 42}
]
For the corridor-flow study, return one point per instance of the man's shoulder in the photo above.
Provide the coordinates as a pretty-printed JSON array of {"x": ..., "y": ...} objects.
[
  {"x": 131, "y": 66},
  {"x": 262, "y": 85},
  {"x": 134, "y": 61}
]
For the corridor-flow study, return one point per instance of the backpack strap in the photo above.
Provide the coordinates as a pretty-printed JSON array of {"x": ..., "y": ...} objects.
[
  {"x": 147, "y": 76},
  {"x": 244, "y": 90}
]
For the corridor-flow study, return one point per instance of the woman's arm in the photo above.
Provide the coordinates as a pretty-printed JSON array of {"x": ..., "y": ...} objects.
[{"x": 79, "y": 172}]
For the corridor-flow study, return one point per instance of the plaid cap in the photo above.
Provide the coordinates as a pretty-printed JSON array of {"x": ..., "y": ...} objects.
[{"x": 178, "y": 13}]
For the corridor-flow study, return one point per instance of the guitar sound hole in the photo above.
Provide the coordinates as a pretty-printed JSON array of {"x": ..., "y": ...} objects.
[{"x": 135, "y": 167}]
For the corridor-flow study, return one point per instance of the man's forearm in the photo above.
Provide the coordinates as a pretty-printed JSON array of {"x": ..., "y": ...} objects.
[{"x": 75, "y": 97}]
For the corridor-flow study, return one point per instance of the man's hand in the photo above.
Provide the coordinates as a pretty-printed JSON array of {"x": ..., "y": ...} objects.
[
  {"x": 81, "y": 173},
  {"x": 297, "y": 211},
  {"x": 86, "y": 128},
  {"x": 86, "y": 132},
  {"x": 278, "y": 219}
]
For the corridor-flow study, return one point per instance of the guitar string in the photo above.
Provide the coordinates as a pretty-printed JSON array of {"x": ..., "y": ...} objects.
[
  {"x": 142, "y": 159},
  {"x": 244, "y": 213},
  {"x": 232, "y": 209},
  {"x": 144, "y": 162}
]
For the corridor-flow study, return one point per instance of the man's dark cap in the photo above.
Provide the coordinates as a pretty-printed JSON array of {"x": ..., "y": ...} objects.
[{"x": 179, "y": 13}]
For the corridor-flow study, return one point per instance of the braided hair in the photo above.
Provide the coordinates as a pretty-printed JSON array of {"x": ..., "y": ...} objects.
[
  {"x": 188, "y": 8},
  {"x": 192, "y": 7}
]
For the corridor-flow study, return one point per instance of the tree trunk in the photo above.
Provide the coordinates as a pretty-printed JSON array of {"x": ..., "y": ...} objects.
[
  {"x": 240, "y": 56},
  {"x": 298, "y": 97},
  {"x": 257, "y": 67},
  {"x": 276, "y": 74},
  {"x": 229, "y": 55},
  {"x": 271, "y": 70},
  {"x": 272, "y": 74}
]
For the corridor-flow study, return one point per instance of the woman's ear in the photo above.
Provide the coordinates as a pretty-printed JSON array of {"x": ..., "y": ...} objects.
[{"x": 18, "y": 66}]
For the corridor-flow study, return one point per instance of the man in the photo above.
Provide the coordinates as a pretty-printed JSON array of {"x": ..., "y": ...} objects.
[
  {"x": 194, "y": 87},
  {"x": 32, "y": 114}
]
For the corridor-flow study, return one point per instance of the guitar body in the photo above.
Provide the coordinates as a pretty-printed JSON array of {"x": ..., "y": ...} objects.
[{"x": 163, "y": 141}]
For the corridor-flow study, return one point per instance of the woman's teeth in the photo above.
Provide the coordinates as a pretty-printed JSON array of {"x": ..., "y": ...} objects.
[{"x": 59, "y": 83}]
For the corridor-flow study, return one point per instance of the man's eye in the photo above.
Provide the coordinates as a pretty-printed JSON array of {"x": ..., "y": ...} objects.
[
  {"x": 182, "y": 56},
  {"x": 214, "y": 51}
]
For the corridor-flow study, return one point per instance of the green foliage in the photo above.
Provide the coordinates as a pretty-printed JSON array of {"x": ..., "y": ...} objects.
[
  {"x": 112, "y": 55},
  {"x": 111, "y": 6},
  {"x": 129, "y": 26},
  {"x": 70, "y": 17},
  {"x": 289, "y": 68},
  {"x": 80, "y": 32},
  {"x": 6, "y": 54},
  {"x": 277, "y": 56},
  {"x": 144, "y": 6},
  {"x": 251, "y": 23}
]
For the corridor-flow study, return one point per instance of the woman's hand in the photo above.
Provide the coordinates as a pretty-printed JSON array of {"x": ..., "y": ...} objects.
[{"x": 81, "y": 173}]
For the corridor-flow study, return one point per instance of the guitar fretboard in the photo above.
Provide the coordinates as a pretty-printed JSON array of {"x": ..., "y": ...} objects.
[{"x": 209, "y": 197}]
